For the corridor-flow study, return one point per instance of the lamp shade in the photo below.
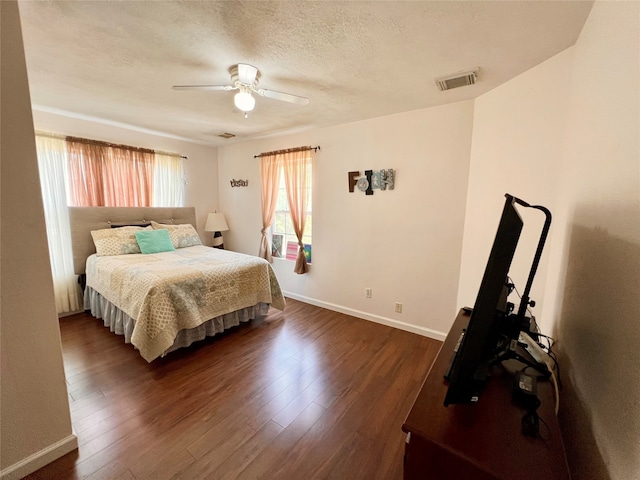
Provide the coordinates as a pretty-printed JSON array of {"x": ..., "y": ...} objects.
[{"x": 216, "y": 223}]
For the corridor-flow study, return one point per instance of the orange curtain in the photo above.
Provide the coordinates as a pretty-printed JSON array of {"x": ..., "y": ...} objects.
[
  {"x": 107, "y": 175},
  {"x": 85, "y": 174},
  {"x": 269, "y": 176},
  {"x": 296, "y": 167}
]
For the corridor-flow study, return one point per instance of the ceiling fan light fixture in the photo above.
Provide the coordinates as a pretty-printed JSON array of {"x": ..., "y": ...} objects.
[
  {"x": 244, "y": 101},
  {"x": 245, "y": 79}
]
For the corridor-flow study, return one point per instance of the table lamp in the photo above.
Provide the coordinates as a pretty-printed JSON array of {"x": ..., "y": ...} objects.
[{"x": 216, "y": 223}]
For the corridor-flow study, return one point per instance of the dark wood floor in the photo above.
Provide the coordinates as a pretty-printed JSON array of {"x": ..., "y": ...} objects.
[{"x": 306, "y": 393}]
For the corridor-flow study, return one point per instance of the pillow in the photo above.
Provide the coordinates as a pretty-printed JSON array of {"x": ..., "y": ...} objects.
[
  {"x": 116, "y": 241},
  {"x": 154, "y": 241},
  {"x": 181, "y": 235}
]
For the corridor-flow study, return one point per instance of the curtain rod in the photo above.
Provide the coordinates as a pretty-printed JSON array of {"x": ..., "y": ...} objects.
[
  {"x": 106, "y": 144},
  {"x": 288, "y": 150},
  {"x": 50, "y": 135},
  {"x": 100, "y": 143}
]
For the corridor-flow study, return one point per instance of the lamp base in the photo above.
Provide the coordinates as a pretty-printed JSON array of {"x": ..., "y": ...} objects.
[{"x": 218, "y": 241}]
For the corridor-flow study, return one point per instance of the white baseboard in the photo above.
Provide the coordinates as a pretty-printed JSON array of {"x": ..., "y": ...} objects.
[
  {"x": 425, "y": 332},
  {"x": 40, "y": 459}
]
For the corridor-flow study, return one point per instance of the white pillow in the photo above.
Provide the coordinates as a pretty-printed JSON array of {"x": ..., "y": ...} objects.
[
  {"x": 181, "y": 235},
  {"x": 116, "y": 241}
]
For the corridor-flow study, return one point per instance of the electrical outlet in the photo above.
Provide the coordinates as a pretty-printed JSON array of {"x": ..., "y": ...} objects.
[
  {"x": 367, "y": 292},
  {"x": 398, "y": 307}
]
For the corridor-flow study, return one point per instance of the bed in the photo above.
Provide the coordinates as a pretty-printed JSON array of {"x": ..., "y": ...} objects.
[{"x": 165, "y": 300}]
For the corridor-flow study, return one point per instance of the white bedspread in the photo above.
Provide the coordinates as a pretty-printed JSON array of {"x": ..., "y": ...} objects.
[{"x": 170, "y": 291}]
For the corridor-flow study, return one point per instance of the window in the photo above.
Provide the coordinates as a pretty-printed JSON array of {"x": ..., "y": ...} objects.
[
  {"x": 86, "y": 172},
  {"x": 286, "y": 175},
  {"x": 282, "y": 232}
]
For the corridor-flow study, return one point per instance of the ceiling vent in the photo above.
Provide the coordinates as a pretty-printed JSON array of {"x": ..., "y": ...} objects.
[
  {"x": 456, "y": 80},
  {"x": 226, "y": 135}
]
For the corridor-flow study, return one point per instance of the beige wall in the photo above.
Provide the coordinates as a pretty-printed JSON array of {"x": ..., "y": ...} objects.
[
  {"x": 403, "y": 244},
  {"x": 565, "y": 134},
  {"x": 517, "y": 147},
  {"x": 201, "y": 169},
  {"x": 34, "y": 412},
  {"x": 596, "y": 278}
]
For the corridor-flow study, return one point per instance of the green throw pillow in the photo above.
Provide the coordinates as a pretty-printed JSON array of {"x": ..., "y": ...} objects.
[{"x": 154, "y": 241}]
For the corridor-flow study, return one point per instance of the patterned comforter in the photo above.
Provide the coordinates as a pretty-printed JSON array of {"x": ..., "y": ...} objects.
[{"x": 170, "y": 291}]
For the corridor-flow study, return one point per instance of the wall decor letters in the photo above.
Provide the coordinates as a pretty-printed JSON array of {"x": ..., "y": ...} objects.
[
  {"x": 239, "y": 183},
  {"x": 372, "y": 180}
]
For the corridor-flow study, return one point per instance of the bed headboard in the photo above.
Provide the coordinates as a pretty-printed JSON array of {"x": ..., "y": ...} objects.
[{"x": 85, "y": 219}]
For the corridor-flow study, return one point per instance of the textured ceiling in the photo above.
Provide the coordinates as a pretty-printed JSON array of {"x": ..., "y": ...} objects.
[{"x": 117, "y": 61}]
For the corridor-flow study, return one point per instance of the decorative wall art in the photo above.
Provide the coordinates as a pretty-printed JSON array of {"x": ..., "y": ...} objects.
[
  {"x": 292, "y": 251},
  {"x": 378, "y": 180},
  {"x": 239, "y": 183},
  {"x": 276, "y": 246}
]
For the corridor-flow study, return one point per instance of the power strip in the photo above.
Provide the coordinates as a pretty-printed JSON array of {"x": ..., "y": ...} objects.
[{"x": 535, "y": 350}]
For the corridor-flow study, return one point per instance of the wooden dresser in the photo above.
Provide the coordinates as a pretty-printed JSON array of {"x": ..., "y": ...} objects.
[{"x": 483, "y": 440}]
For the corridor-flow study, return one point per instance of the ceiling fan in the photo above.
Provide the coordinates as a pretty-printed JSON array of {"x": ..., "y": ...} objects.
[{"x": 245, "y": 79}]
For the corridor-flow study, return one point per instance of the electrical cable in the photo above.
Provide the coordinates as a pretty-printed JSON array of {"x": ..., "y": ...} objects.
[
  {"x": 550, "y": 340},
  {"x": 544, "y": 439},
  {"x": 555, "y": 389},
  {"x": 555, "y": 379},
  {"x": 552, "y": 355},
  {"x": 551, "y": 363}
]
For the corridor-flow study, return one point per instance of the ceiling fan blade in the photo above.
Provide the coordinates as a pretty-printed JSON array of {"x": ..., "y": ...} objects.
[
  {"x": 287, "y": 97},
  {"x": 247, "y": 73},
  {"x": 204, "y": 87}
]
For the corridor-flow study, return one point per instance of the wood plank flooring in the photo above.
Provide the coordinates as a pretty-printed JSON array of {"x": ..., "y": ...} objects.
[{"x": 302, "y": 394}]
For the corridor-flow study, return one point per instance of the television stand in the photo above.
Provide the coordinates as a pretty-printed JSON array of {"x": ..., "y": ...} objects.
[{"x": 480, "y": 441}]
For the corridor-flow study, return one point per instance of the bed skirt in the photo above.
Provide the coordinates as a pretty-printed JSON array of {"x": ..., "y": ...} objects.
[{"x": 122, "y": 324}]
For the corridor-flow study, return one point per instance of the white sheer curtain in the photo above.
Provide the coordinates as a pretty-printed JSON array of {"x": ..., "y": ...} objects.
[
  {"x": 168, "y": 181},
  {"x": 53, "y": 167},
  {"x": 53, "y": 162}
]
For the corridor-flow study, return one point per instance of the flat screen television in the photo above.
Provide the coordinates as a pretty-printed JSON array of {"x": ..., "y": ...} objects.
[{"x": 488, "y": 326}]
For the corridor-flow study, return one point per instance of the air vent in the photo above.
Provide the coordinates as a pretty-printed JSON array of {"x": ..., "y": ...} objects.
[
  {"x": 226, "y": 135},
  {"x": 456, "y": 80}
]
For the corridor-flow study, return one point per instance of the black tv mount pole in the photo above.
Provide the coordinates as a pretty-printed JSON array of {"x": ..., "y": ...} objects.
[
  {"x": 517, "y": 322},
  {"x": 525, "y": 301}
]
